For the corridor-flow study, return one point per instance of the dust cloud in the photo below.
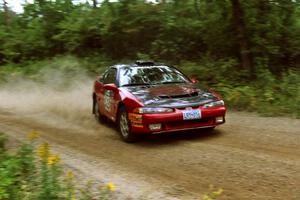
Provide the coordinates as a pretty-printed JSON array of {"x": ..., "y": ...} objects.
[{"x": 57, "y": 98}]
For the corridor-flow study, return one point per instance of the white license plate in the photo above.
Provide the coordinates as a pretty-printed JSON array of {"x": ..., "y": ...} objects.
[{"x": 191, "y": 114}]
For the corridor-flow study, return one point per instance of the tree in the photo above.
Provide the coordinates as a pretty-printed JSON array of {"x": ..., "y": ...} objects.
[
  {"x": 242, "y": 37},
  {"x": 250, "y": 34},
  {"x": 95, "y": 3},
  {"x": 6, "y": 12}
]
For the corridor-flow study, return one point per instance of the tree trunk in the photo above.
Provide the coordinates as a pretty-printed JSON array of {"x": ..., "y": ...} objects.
[
  {"x": 241, "y": 32},
  {"x": 197, "y": 7},
  {"x": 6, "y": 13},
  {"x": 95, "y": 3},
  {"x": 161, "y": 1},
  {"x": 261, "y": 28}
]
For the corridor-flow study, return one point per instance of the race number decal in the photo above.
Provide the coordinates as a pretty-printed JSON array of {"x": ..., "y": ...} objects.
[{"x": 108, "y": 95}]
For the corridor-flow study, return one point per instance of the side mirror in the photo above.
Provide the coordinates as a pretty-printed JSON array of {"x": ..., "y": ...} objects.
[
  {"x": 111, "y": 86},
  {"x": 194, "y": 80},
  {"x": 99, "y": 78}
]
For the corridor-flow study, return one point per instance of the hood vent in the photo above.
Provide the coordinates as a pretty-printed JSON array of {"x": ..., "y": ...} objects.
[{"x": 194, "y": 94}]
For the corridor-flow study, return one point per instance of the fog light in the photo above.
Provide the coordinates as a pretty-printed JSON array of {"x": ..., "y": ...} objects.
[
  {"x": 154, "y": 127},
  {"x": 220, "y": 119}
]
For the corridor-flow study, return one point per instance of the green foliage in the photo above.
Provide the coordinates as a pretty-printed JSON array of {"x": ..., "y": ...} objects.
[
  {"x": 277, "y": 97},
  {"x": 8, "y": 172},
  {"x": 268, "y": 94},
  {"x": 172, "y": 30},
  {"x": 26, "y": 176},
  {"x": 248, "y": 50},
  {"x": 214, "y": 71}
]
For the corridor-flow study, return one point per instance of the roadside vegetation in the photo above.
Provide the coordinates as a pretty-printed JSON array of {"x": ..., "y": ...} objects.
[
  {"x": 249, "y": 51},
  {"x": 268, "y": 94},
  {"x": 34, "y": 172}
]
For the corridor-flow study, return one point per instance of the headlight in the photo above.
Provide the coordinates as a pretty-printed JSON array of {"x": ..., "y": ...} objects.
[
  {"x": 146, "y": 110},
  {"x": 214, "y": 104}
]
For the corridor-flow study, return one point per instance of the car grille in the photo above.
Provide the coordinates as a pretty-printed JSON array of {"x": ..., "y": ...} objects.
[{"x": 190, "y": 123}]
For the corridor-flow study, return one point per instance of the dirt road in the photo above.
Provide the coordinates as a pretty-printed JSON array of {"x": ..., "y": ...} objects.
[{"x": 250, "y": 157}]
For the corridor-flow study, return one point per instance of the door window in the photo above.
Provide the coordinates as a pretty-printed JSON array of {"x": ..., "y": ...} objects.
[{"x": 111, "y": 76}]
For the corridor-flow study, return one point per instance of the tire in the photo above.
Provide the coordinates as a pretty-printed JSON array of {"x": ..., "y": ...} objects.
[
  {"x": 125, "y": 127},
  {"x": 98, "y": 116}
]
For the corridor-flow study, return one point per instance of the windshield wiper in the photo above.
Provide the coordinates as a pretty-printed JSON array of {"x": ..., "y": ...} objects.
[{"x": 171, "y": 82}]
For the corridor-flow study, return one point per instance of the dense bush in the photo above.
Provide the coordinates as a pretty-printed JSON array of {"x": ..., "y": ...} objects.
[{"x": 36, "y": 174}]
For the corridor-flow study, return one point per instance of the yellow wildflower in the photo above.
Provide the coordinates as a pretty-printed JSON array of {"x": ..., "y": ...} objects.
[
  {"x": 73, "y": 198},
  {"x": 110, "y": 186},
  {"x": 218, "y": 192},
  {"x": 33, "y": 135},
  {"x": 70, "y": 175},
  {"x": 206, "y": 197},
  {"x": 43, "y": 151},
  {"x": 53, "y": 159}
]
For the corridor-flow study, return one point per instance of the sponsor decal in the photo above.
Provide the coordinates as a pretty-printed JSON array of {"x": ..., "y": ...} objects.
[{"x": 108, "y": 95}]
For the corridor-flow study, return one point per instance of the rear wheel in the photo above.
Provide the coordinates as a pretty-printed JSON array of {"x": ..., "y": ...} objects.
[{"x": 125, "y": 127}]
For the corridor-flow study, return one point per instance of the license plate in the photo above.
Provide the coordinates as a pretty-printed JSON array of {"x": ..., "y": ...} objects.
[{"x": 191, "y": 114}]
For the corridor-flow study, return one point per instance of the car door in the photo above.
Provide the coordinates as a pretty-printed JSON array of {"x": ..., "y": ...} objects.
[{"x": 109, "y": 92}]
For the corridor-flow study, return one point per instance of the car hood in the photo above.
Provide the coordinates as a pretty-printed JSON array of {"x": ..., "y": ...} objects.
[{"x": 174, "y": 96}]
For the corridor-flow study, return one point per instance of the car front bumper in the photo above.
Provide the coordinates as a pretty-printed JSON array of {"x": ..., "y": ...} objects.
[{"x": 170, "y": 122}]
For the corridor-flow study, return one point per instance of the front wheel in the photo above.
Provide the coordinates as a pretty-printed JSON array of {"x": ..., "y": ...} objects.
[{"x": 124, "y": 126}]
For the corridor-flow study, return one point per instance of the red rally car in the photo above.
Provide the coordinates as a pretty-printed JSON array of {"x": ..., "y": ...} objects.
[{"x": 149, "y": 98}]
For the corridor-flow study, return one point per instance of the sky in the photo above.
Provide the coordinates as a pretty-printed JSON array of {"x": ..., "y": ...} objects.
[{"x": 16, "y": 5}]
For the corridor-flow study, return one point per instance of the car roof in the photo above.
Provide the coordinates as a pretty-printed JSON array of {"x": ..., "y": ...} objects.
[{"x": 140, "y": 63}]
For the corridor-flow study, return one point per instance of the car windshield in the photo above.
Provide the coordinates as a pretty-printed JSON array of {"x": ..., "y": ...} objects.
[{"x": 144, "y": 75}]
